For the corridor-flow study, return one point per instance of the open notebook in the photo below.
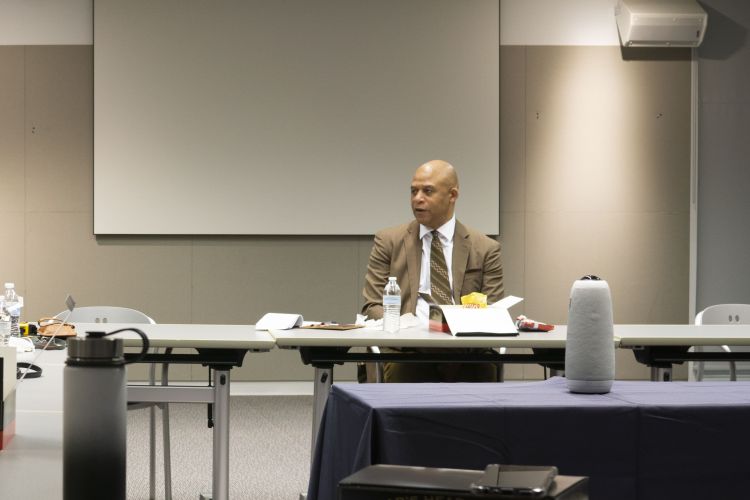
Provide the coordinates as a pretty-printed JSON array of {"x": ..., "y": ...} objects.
[{"x": 462, "y": 321}]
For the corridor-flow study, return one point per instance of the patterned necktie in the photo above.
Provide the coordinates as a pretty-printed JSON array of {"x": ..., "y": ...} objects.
[{"x": 440, "y": 284}]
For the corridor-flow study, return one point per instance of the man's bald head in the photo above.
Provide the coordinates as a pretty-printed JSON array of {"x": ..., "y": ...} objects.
[
  {"x": 441, "y": 171},
  {"x": 434, "y": 190}
]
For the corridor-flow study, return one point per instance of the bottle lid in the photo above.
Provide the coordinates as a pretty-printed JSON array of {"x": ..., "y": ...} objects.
[
  {"x": 10, "y": 285},
  {"x": 94, "y": 350},
  {"x": 391, "y": 278}
]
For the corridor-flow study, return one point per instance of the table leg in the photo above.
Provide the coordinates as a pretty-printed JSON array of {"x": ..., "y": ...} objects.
[
  {"x": 152, "y": 452},
  {"x": 221, "y": 435},
  {"x": 218, "y": 394},
  {"x": 152, "y": 439},
  {"x": 321, "y": 387}
]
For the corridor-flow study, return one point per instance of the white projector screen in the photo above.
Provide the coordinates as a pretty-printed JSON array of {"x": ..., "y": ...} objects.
[{"x": 290, "y": 116}]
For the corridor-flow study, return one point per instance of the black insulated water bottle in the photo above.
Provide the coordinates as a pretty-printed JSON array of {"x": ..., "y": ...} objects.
[{"x": 94, "y": 417}]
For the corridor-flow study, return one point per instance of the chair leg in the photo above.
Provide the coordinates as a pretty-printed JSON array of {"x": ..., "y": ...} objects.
[
  {"x": 375, "y": 369},
  {"x": 500, "y": 372},
  {"x": 165, "y": 435},
  {"x": 732, "y": 365},
  {"x": 500, "y": 366},
  {"x": 698, "y": 366}
]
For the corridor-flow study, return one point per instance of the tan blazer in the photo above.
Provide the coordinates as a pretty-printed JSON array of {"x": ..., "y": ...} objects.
[{"x": 397, "y": 251}]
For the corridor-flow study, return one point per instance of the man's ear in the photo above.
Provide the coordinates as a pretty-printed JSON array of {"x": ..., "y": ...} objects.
[{"x": 453, "y": 193}]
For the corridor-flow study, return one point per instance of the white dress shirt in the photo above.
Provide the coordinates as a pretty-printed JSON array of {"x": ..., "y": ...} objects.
[{"x": 446, "y": 232}]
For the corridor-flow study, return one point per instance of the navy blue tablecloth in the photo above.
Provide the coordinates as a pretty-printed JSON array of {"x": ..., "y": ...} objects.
[{"x": 643, "y": 440}]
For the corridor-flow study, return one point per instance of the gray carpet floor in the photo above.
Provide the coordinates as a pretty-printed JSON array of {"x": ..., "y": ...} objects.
[{"x": 269, "y": 453}]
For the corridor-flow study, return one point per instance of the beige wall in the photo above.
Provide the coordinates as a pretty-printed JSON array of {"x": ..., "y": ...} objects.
[
  {"x": 46, "y": 138},
  {"x": 595, "y": 176},
  {"x": 596, "y": 183}
]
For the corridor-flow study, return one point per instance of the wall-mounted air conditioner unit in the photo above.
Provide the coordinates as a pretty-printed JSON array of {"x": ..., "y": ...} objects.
[{"x": 660, "y": 23}]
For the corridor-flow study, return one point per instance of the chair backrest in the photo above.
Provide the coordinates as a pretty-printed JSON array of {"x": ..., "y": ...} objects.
[
  {"x": 106, "y": 314},
  {"x": 724, "y": 314}
]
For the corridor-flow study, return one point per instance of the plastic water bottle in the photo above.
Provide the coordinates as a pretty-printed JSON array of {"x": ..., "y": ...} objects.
[
  {"x": 4, "y": 323},
  {"x": 391, "y": 306},
  {"x": 13, "y": 307}
]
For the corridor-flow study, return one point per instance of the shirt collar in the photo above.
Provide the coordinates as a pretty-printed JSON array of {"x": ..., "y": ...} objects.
[{"x": 446, "y": 230}]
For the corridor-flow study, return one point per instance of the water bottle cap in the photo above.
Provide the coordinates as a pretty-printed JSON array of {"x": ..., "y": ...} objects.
[
  {"x": 391, "y": 278},
  {"x": 94, "y": 349},
  {"x": 9, "y": 285}
]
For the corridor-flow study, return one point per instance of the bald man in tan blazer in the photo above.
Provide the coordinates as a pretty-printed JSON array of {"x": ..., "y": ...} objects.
[
  {"x": 475, "y": 267},
  {"x": 397, "y": 251}
]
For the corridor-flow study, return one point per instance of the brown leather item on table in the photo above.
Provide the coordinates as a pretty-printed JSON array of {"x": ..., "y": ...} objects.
[{"x": 54, "y": 326}]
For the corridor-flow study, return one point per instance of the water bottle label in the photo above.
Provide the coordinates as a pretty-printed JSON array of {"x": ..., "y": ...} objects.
[
  {"x": 392, "y": 300},
  {"x": 13, "y": 309}
]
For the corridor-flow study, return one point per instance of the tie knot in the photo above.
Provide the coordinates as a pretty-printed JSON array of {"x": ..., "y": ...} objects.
[{"x": 435, "y": 234}]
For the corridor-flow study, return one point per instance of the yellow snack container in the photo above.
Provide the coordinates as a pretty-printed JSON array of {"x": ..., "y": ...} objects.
[{"x": 474, "y": 299}]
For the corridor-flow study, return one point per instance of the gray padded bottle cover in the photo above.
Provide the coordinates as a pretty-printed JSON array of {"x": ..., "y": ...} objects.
[{"x": 590, "y": 348}]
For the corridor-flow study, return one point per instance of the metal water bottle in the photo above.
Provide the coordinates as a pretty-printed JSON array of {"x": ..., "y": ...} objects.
[{"x": 94, "y": 419}]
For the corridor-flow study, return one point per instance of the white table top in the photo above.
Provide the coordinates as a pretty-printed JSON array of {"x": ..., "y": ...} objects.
[
  {"x": 37, "y": 445},
  {"x": 246, "y": 337},
  {"x": 411, "y": 337},
  {"x": 625, "y": 336},
  {"x": 682, "y": 335},
  {"x": 188, "y": 335}
]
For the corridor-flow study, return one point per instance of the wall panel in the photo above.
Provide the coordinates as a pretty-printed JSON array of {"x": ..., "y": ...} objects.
[{"x": 603, "y": 172}]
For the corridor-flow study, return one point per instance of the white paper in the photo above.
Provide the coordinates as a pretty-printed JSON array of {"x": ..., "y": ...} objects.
[
  {"x": 408, "y": 320},
  {"x": 489, "y": 320},
  {"x": 278, "y": 321},
  {"x": 507, "y": 302},
  {"x": 23, "y": 344}
]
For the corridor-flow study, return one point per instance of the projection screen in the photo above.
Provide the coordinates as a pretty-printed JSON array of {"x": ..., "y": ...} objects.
[{"x": 290, "y": 116}]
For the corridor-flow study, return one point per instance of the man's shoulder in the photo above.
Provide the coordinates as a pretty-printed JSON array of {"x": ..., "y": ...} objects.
[
  {"x": 397, "y": 232},
  {"x": 475, "y": 236}
]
